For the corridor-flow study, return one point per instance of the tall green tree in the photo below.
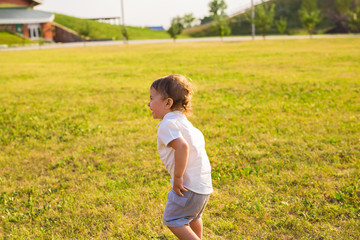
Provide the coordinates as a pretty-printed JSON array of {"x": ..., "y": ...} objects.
[
  {"x": 281, "y": 25},
  {"x": 310, "y": 5},
  {"x": 188, "y": 19},
  {"x": 125, "y": 33},
  {"x": 217, "y": 7},
  {"x": 342, "y": 6},
  {"x": 310, "y": 15},
  {"x": 338, "y": 12},
  {"x": 264, "y": 17},
  {"x": 85, "y": 30},
  {"x": 354, "y": 20},
  {"x": 176, "y": 27},
  {"x": 221, "y": 26}
]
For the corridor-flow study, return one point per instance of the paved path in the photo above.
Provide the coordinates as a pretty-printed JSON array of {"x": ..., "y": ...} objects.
[{"x": 210, "y": 39}]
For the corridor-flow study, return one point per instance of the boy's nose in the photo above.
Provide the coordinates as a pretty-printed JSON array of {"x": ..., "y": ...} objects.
[{"x": 148, "y": 104}]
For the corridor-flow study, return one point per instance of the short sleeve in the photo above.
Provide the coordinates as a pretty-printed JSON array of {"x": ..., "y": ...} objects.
[{"x": 168, "y": 131}]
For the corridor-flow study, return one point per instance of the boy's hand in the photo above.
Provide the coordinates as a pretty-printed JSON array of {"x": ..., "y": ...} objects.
[{"x": 178, "y": 186}]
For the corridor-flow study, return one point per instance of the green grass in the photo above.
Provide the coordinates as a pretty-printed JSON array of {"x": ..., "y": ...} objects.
[
  {"x": 281, "y": 120},
  {"x": 11, "y": 39},
  {"x": 100, "y": 30}
]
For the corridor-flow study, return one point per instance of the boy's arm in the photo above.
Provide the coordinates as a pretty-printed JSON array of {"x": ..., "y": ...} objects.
[{"x": 181, "y": 157}]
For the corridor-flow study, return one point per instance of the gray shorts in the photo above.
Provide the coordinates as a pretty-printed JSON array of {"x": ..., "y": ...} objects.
[{"x": 180, "y": 211}]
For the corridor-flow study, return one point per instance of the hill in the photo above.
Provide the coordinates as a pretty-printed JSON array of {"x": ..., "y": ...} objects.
[
  {"x": 241, "y": 24},
  {"x": 12, "y": 39},
  {"x": 98, "y": 30},
  {"x": 93, "y": 30}
]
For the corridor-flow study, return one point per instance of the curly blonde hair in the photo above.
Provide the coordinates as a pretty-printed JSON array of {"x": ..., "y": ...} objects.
[{"x": 178, "y": 88}]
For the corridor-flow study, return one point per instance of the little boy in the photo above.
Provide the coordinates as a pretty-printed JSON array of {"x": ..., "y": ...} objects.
[{"x": 182, "y": 149}]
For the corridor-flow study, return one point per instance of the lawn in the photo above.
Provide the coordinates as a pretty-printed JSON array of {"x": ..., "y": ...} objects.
[
  {"x": 98, "y": 30},
  {"x": 11, "y": 39},
  {"x": 281, "y": 119}
]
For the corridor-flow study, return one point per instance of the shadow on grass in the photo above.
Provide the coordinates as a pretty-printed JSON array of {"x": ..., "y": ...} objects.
[{"x": 162, "y": 237}]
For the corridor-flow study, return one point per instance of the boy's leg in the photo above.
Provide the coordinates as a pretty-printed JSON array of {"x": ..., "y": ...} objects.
[
  {"x": 197, "y": 227},
  {"x": 184, "y": 233}
]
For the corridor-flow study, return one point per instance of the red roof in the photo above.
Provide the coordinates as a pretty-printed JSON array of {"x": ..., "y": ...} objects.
[{"x": 21, "y": 3}]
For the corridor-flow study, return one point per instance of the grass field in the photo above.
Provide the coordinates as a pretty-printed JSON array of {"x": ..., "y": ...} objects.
[
  {"x": 98, "y": 30},
  {"x": 281, "y": 119},
  {"x": 11, "y": 39}
]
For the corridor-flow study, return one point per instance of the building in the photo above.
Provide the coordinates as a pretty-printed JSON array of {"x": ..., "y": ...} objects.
[
  {"x": 18, "y": 16},
  {"x": 157, "y": 28}
]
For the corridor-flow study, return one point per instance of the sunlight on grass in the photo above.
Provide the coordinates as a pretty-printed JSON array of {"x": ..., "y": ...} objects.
[{"x": 78, "y": 154}]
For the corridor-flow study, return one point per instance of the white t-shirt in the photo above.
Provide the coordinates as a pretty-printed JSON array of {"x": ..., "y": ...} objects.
[{"x": 197, "y": 176}]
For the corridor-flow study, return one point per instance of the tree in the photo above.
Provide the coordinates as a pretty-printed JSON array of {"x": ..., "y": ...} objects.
[
  {"x": 281, "y": 25},
  {"x": 188, "y": 19},
  {"x": 338, "y": 13},
  {"x": 354, "y": 20},
  {"x": 310, "y": 15},
  {"x": 310, "y": 5},
  {"x": 264, "y": 17},
  {"x": 176, "y": 27},
  {"x": 125, "y": 34},
  {"x": 221, "y": 27},
  {"x": 217, "y": 7},
  {"x": 342, "y": 6},
  {"x": 206, "y": 20},
  {"x": 85, "y": 30}
]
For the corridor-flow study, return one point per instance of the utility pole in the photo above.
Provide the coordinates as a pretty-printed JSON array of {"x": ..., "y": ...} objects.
[
  {"x": 123, "y": 22},
  {"x": 252, "y": 20}
]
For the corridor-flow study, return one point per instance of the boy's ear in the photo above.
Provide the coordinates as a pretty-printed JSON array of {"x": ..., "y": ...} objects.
[{"x": 169, "y": 103}]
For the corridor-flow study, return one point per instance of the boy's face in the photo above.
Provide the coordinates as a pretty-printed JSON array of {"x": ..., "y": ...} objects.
[{"x": 158, "y": 105}]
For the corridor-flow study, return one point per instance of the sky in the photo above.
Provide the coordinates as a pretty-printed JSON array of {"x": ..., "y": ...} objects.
[{"x": 138, "y": 12}]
